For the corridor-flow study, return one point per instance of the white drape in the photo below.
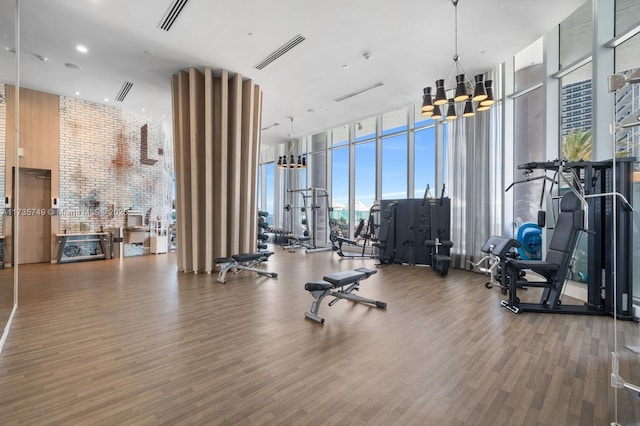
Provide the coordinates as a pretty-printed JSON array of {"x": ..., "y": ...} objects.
[{"x": 474, "y": 182}]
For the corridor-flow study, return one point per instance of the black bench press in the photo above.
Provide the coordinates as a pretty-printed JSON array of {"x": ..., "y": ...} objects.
[
  {"x": 243, "y": 262},
  {"x": 339, "y": 285}
]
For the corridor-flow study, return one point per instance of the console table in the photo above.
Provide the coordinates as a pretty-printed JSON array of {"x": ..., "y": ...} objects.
[{"x": 83, "y": 246}]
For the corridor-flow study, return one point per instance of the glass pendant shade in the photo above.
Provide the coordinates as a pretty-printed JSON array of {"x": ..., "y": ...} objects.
[
  {"x": 441, "y": 96},
  {"x": 427, "y": 100},
  {"x": 437, "y": 114},
  {"x": 479, "y": 93},
  {"x": 451, "y": 111},
  {"x": 489, "y": 100},
  {"x": 461, "y": 89},
  {"x": 468, "y": 109}
]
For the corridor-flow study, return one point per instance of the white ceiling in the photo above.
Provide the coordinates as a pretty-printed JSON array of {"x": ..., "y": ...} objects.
[{"x": 411, "y": 43}]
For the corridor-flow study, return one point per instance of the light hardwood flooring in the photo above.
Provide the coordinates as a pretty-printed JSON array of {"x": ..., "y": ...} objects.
[{"x": 134, "y": 341}]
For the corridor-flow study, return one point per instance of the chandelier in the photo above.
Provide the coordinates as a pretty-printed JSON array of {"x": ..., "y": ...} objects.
[
  {"x": 481, "y": 90},
  {"x": 300, "y": 163}
]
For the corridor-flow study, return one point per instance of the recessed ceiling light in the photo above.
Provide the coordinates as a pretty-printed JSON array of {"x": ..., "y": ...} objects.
[
  {"x": 82, "y": 49},
  {"x": 106, "y": 99},
  {"x": 77, "y": 93},
  {"x": 72, "y": 66},
  {"x": 345, "y": 67},
  {"x": 143, "y": 109}
]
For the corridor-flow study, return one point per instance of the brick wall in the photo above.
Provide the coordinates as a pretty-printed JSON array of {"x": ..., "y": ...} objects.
[{"x": 111, "y": 160}]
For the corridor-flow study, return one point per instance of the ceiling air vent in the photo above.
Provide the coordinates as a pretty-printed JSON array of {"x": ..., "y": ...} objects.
[
  {"x": 358, "y": 92},
  {"x": 124, "y": 91},
  {"x": 280, "y": 51},
  {"x": 172, "y": 13}
]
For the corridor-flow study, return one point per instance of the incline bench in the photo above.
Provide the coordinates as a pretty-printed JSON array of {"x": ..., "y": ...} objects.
[
  {"x": 243, "y": 262},
  {"x": 339, "y": 285}
]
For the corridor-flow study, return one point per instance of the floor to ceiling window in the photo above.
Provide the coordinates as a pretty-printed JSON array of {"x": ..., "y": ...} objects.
[
  {"x": 365, "y": 167},
  {"x": 529, "y": 146},
  {"x": 340, "y": 177},
  {"x": 627, "y": 61},
  {"x": 394, "y": 154},
  {"x": 424, "y": 158}
]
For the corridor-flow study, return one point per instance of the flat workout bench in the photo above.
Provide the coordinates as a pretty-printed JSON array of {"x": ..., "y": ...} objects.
[
  {"x": 339, "y": 285},
  {"x": 243, "y": 262}
]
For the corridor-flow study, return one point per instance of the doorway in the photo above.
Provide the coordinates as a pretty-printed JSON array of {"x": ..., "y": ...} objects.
[{"x": 34, "y": 223}]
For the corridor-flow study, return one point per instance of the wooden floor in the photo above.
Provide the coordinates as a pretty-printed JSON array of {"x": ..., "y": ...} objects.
[{"x": 133, "y": 341}]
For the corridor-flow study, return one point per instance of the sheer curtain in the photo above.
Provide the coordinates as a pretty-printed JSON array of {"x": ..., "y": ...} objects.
[{"x": 474, "y": 182}]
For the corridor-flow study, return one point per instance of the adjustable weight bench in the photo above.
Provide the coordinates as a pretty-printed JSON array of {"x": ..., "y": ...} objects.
[
  {"x": 243, "y": 262},
  {"x": 339, "y": 285}
]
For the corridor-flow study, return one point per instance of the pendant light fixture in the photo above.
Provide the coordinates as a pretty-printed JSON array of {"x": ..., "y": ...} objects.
[
  {"x": 293, "y": 163},
  {"x": 481, "y": 89}
]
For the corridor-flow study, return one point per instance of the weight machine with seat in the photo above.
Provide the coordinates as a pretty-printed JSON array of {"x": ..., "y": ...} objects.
[
  {"x": 310, "y": 241},
  {"x": 590, "y": 183},
  {"x": 366, "y": 231}
]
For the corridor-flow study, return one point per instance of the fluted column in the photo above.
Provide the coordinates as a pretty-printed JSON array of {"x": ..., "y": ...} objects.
[{"x": 216, "y": 121}]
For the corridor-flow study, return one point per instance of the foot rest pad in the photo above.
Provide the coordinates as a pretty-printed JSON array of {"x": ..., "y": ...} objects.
[
  {"x": 248, "y": 257},
  {"x": 317, "y": 285},
  {"x": 368, "y": 272}
]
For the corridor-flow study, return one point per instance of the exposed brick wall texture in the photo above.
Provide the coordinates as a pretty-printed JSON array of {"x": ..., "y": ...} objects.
[{"x": 104, "y": 169}]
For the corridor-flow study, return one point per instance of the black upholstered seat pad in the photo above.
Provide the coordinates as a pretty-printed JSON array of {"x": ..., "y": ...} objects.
[
  {"x": 535, "y": 265},
  {"x": 345, "y": 277},
  {"x": 248, "y": 257}
]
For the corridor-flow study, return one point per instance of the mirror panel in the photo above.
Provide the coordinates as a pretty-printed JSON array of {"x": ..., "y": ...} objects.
[{"x": 8, "y": 66}]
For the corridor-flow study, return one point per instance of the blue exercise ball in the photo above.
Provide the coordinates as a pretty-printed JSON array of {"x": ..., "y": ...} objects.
[{"x": 530, "y": 237}]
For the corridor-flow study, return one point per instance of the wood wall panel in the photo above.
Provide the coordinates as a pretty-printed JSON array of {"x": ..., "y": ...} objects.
[
  {"x": 39, "y": 138},
  {"x": 247, "y": 239},
  {"x": 216, "y": 139},
  {"x": 177, "y": 168},
  {"x": 208, "y": 168},
  {"x": 220, "y": 173},
  {"x": 255, "y": 155},
  {"x": 196, "y": 139},
  {"x": 184, "y": 246},
  {"x": 234, "y": 146}
]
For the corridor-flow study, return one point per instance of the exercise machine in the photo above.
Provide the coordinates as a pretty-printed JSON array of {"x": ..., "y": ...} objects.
[
  {"x": 591, "y": 183},
  {"x": 262, "y": 227},
  {"x": 440, "y": 260},
  {"x": 497, "y": 250},
  {"x": 385, "y": 245},
  {"x": 416, "y": 232},
  {"x": 366, "y": 231},
  {"x": 243, "y": 262},
  {"x": 340, "y": 285},
  {"x": 310, "y": 241}
]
